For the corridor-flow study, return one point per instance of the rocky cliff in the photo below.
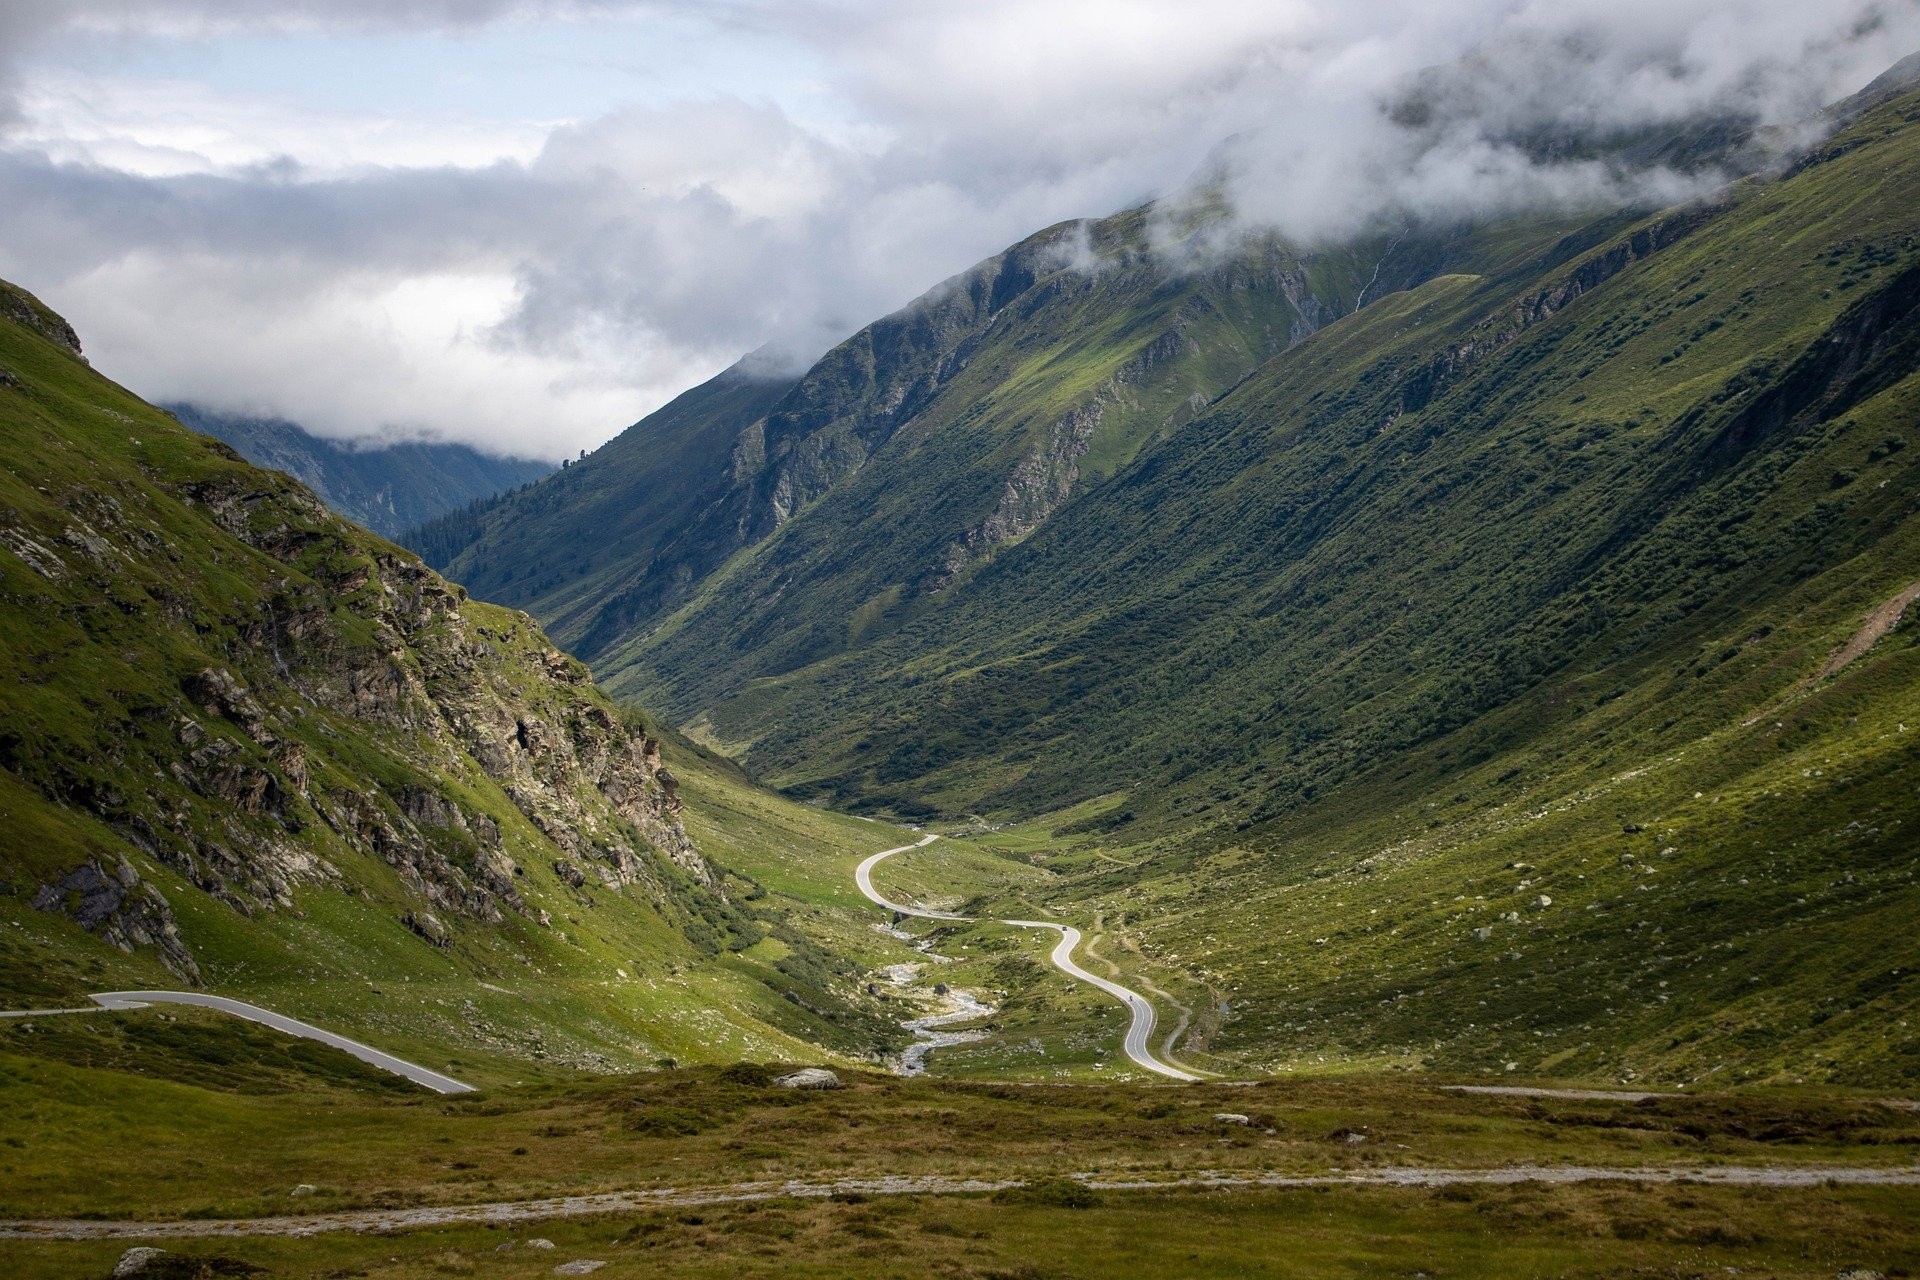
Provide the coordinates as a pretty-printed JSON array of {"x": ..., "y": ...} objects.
[{"x": 214, "y": 675}]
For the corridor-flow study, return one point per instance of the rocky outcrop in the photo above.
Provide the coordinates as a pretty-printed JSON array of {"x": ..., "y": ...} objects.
[
  {"x": 349, "y": 651},
  {"x": 809, "y": 1078},
  {"x": 1043, "y": 477},
  {"x": 117, "y": 906},
  {"x": 1421, "y": 386},
  {"x": 18, "y": 305},
  {"x": 867, "y": 388}
]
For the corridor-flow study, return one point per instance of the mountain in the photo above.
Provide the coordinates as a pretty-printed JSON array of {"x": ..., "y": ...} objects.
[
  {"x": 249, "y": 746},
  {"x": 930, "y": 439},
  {"x": 639, "y": 500},
  {"x": 388, "y": 489},
  {"x": 1541, "y": 596}
]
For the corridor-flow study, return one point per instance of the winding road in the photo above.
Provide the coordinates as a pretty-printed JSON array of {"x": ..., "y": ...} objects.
[
  {"x": 1139, "y": 1030},
  {"x": 112, "y": 1001}
]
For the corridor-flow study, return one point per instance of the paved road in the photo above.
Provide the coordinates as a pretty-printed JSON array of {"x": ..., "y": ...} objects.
[
  {"x": 639, "y": 1200},
  {"x": 1139, "y": 1030},
  {"x": 292, "y": 1026}
]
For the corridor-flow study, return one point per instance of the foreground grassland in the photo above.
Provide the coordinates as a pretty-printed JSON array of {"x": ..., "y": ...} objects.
[
  {"x": 102, "y": 1124},
  {"x": 1574, "y": 1232}
]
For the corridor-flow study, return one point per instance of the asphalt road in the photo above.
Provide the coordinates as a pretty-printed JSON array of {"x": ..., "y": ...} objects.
[
  {"x": 1139, "y": 1029},
  {"x": 291, "y": 1026}
]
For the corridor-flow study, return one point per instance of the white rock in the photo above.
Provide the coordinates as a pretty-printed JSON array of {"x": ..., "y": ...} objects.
[
  {"x": 537, "y": 1243},
  {"x": 578, "y": 1267},
  {"x": 1230, "y": 1117},
  {"x": 809, "y": 1078},
  {"x": 135, "y": 1260},
  {"x": 304, "y": 1189}
]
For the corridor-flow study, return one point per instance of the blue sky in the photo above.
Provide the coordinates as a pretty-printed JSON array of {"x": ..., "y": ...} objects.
[
  {"x": 525, "y": 223},
  {"x": 527, "y": 68}
]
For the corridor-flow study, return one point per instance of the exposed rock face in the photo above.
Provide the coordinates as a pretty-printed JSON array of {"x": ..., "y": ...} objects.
[
  {"x": 253, "y": 775},
  {"x": 862, "y": 391},
  {"x": 428, "y": 927},
  {"x": 121, "y": 908},
  {"x": 1044, "y": 477},
  {"x": 20, "y": 306}
]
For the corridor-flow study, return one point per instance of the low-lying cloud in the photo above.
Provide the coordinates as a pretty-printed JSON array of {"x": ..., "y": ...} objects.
[{"x": 538, "y": 301}]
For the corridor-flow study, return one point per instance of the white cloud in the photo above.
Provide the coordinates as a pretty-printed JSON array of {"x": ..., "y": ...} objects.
[
  {"x": 534, "y": 284},
  {"x": 163, "y": 127}
]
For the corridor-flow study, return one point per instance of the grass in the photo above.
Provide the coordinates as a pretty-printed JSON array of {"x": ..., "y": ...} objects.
[
  {"x": 145, "y": 1115},
  {"x": 101, "y": 1133},
  {"x": 1607, "y": 1231}
]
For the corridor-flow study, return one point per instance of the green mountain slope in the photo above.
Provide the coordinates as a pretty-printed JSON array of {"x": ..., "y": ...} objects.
[
  {"x": 910, "y": 454},
  {"x": 1503, "y": 675},
  {"x": 610, "y": 532},
  {"x": 1392, "y": 528},
  {"x": 247, "y": 745},
  {"x": 1496, "y": 654},
  {"x": 388, "y": 490}
]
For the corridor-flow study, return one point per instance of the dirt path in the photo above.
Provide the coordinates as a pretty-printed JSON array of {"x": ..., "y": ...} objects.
[
  {"x": 1528, "y": 1091},
  {"x": 1878, "y": 623},
  {"x": 369, "y": 1220}
]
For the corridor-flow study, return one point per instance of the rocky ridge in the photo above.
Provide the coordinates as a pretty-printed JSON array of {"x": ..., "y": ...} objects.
[{"x": 319, "y": 697}]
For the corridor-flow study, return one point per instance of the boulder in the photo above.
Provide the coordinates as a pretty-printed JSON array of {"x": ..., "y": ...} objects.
[
  {"x": 136, "y": 1260},
  {"x": 428, "y": 927},
  {"x": 1231, "y": 1117},
  {"x": 809, "y": 1078},
  {"x": 304, "y": 1189},
  {"x": 579, "y": 1267}
]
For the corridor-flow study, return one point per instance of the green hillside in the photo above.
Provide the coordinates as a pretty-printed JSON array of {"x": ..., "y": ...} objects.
[
  {"x": 609, "y": 532},
  {"x": 249, "y": 747},
  {"x": 388, "y": 489},
  {"x": 914, "y": 451},
  {"x": 1487, "y": 649},
  {"x": 1399, "y": 526}
]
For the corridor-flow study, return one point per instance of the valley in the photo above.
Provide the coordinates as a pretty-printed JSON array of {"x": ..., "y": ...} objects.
[
  {"x": 1140, "y": 1012},
  {"x": 1183, "y": 750}
]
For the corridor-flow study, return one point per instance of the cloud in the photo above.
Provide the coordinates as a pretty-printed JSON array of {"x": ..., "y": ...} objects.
[
  {"x": 533, "y": 286},
  {"x": 1563, "y": 105}
]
